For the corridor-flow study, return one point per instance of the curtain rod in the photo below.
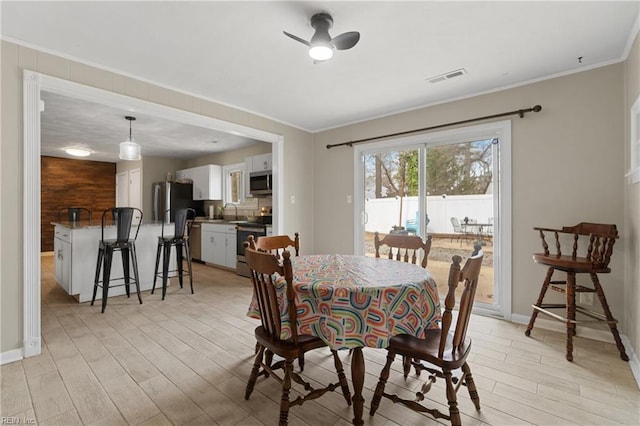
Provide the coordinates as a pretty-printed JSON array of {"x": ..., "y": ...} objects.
[{"x": 520, "y": 112}]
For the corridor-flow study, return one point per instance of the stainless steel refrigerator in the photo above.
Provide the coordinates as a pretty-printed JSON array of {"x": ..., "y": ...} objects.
[{"x": 173, "y": 195}]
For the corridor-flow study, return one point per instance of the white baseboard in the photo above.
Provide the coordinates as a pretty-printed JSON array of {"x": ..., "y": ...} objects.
[
  {"x": 589, "y": 333},
  {"x": 11, "y": 356}
]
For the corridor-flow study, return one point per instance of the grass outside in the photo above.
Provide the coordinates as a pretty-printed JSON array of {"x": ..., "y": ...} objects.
[{"x": 443, "y": 247}]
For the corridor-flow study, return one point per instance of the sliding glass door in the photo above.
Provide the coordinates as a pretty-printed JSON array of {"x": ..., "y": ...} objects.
[{"x": 449, "y": 186}]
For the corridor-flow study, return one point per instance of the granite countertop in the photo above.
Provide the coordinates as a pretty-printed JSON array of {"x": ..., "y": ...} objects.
[{"x": 85, "y": 224}]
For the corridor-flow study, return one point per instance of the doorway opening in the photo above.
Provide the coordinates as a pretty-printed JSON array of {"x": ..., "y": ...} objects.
[{"x": 33, "y": 84}]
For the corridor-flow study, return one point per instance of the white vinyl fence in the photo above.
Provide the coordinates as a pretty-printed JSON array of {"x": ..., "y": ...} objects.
[{"x": 384, "y": 213}]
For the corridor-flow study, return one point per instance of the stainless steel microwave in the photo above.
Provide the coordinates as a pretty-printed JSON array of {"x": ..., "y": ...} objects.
[{"x": 260, "y": 183}]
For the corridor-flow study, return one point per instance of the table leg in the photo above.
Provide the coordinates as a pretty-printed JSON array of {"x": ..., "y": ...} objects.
[{"x": 357, "y": 376}]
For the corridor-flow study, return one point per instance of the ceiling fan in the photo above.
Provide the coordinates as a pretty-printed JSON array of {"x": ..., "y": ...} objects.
[{"x": 321, "y": 46}]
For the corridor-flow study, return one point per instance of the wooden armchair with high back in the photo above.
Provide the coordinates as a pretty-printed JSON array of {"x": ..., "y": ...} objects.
[
  {"x": 404, "y": 248},
  {"x": 591, "y": 246},
  {"x": 445, "y": 350},
  {"x": 265, "y": 270}
]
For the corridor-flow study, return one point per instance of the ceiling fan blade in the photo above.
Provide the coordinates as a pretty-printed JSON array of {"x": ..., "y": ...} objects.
[
  {"x": 296, "y": 38},
  {"x": 346, "y": 40}
]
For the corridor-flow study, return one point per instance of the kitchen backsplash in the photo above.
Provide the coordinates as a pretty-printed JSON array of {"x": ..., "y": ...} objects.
[{"x": 248, "y": 208}]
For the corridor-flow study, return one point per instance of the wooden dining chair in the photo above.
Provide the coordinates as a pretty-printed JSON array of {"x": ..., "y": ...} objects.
[
  {"x": 265, "y": 269},
  {"x": 445, "y": 350},
  {"x": 595, "y": 242},
  {"x": 405, "y": 248},
  {"x": 277, "y": 243}
]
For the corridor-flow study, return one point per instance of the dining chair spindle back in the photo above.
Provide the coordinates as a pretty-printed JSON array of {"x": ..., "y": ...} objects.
[{"x": 405, "y": 248}]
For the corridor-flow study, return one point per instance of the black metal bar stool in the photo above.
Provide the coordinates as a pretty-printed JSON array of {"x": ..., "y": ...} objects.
[
  {"x": 122, "y": 218},
  {"x": 182, "y": 221}
]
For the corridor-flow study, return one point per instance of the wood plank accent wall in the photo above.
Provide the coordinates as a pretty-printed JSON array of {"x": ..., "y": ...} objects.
[{"x": 73, "y": 183}]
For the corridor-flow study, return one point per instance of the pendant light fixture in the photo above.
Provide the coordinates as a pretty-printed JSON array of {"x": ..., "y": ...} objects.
[{"x": 129, "y": 150}]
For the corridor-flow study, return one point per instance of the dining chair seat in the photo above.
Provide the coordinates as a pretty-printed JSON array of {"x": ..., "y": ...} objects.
[
  {"x": 288, "y": 347},
  {"x": 426, "y": 347}
]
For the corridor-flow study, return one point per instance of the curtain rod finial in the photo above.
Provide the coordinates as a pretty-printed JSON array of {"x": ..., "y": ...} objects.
[{"x": 537, "y": 108}]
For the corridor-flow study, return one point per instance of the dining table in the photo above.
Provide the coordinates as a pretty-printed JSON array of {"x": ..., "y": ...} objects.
[
  {"x": 352, "y": 302},
  {"x": 480, "y": 230}
]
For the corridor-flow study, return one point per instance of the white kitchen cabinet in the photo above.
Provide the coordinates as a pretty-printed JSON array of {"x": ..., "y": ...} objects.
[
  {"x": 186, "y": 174},
  {"x": 62, "y": 258},
  {"x": 218, "y": 244},
  {"x": 260, "y": 163},
  {"x": 207, "y": 181}
]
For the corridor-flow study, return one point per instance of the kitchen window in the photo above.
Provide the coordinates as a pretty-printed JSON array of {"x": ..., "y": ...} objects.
[{"x": 233, "y": 183}]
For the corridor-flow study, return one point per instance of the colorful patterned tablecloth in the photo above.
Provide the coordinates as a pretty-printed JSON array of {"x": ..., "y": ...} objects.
[{"x": 357, "y": 301}]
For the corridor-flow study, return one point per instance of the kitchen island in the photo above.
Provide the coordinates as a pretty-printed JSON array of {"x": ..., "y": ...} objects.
[{"x": 76, "y": 254}]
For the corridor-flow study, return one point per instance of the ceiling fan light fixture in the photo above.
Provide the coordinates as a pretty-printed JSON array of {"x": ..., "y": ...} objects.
[
  {"x": 321, "y": 52},
  {"x": 129, "y": 150},
  {"x": 78, "y": 152}
]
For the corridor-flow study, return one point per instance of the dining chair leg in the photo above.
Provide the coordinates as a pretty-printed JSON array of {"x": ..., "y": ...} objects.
[
  {"x": 543, "y": 291},
  {"x": 454, "y": 412},
  {"x": 406, "y": 366},
  {"x": 286, "y": 388},
  {"x": 254, "y": 371},
  {"x": 341, "y": 377},
  {"x": 268, "y": 357},
  {"x": 610, "y": 319},
  {"x": 471, "y": 385},
  {"x": 384, "y": 376}
]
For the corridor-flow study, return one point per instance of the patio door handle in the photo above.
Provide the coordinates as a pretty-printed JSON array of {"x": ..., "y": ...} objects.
[{"x": 365, "y": 217}]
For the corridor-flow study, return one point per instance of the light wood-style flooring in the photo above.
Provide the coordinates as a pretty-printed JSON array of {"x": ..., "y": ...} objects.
[{"x": 185, "y": 361}]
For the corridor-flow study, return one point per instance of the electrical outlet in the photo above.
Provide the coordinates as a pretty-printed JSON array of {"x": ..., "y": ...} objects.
[{"x": 586, "y": 299}]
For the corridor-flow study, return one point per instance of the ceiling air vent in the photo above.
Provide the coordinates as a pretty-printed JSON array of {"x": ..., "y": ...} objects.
[{"x": 446, "y": 76}]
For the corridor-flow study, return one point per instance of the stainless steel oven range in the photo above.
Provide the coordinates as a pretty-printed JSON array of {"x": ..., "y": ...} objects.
[{"x": 243, "y": 232}]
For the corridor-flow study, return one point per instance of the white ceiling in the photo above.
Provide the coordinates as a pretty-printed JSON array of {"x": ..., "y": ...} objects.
[
  {"x": 68, "y": 122},
  {"x": 235, "y": 52}
]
